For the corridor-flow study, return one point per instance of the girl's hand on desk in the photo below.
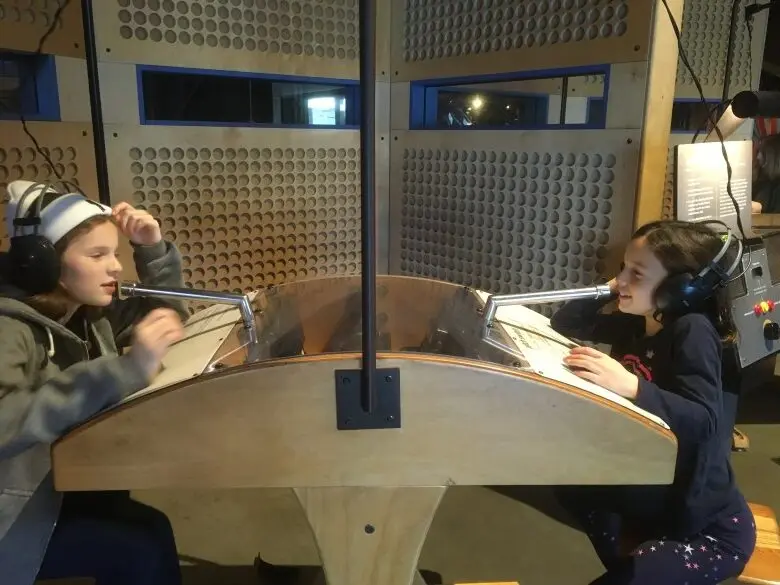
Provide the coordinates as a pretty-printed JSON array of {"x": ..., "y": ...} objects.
[{"x": 597, "y": 367}]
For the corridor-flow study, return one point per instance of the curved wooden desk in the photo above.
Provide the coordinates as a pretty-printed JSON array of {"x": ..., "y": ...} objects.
[{"x": 369, "y": 496}]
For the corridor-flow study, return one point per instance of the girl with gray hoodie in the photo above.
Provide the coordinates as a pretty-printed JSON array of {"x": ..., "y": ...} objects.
[{"x": 60, "y": 326}]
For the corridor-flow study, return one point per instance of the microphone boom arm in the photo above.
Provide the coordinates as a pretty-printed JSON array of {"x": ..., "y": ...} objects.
[
  {"x": 551, "y": 296},
  {"x": 244, "y": 304}
]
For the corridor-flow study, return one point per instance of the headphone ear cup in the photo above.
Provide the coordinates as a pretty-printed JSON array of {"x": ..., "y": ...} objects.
[
  {"x": 708, "y": 284},
  {"x": 34, "y": 264},
  {"x": 673, "y": 292}
]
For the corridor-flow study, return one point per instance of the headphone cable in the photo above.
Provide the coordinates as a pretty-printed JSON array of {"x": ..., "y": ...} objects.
[
  {"x": 749, "y": 12},
  {"x": 63, "y": 4},
  {"x": 730, "y": 52},
  {"x": 703, "y": 126},
  {"x": 711, "y": 117}
]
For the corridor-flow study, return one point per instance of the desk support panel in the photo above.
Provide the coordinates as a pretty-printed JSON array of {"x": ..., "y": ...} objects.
[{"x": 370, "y": 535}]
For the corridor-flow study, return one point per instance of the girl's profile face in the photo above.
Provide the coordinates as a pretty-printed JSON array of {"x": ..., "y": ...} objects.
[
  {"x": 639, "y": 278},
  {"x": 90, "y": 267}
]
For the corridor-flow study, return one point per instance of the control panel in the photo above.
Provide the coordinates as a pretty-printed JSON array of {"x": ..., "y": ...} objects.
[{"x": 755, "y": 307}]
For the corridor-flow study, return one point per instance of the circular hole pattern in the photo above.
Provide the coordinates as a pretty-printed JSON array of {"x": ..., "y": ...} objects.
[
  {"x": 245, "y": 217},
  {"x": 436, "y": 30},
  {"x": 506, "y": 221},
  {"x": 705, "y": 36},
  {"x": 38, "y": 13},
  {"x": 28, "y": 164},
  {"x": 667, "y": 212},
  {"x": 292, "y": 27}
]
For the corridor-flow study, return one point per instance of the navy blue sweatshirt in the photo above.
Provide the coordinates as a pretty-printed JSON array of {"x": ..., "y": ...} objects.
[{"x": 680, "y": 380}]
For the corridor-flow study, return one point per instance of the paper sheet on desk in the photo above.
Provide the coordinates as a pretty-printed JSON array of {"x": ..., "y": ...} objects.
[
  {"x": 204, "y": 333},
  {"x": 550, "y": 366},
  {"x": 528, "y": 335},
  {"x": 544, "y": 349}
]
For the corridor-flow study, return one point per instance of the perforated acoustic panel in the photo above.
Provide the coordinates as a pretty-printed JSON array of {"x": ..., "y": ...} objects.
[
  {"x": 462, "y": 37},
  {"x": 69, "y": 146},
  {"x": 667, "y": 212},
  {"x": 247, "y": 207},
  {"x": 24, "y": 22},
  {"x": 512, "y": 212},
  {"x": 318, "y": 37},
  {"x": 705, "y": 35}
]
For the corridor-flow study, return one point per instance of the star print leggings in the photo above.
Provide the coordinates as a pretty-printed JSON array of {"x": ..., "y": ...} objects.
[{"x": 717, "y": 554}]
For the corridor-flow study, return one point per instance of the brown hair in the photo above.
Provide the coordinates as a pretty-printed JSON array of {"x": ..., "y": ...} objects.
[
  {"x": 687, "y": 247},
  {"x": 768, "y": 157},
  {"x": 54, "y": 304}
]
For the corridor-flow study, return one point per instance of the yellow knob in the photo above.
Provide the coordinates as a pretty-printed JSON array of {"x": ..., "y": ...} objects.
[{"x": 764, "y": 306}]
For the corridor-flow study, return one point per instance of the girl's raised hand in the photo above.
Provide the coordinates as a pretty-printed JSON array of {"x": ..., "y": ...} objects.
[{"x": 136, "y": 224}]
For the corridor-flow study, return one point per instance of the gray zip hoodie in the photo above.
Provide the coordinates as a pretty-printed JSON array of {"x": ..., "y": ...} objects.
[{"x": 48, "y": 385}]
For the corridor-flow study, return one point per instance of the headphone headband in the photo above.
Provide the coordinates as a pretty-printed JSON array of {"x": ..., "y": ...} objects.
[
  {"x": 35, "y": 263},
  {"x": 681, "y": 292},
  {"x": 727, "y": 238},
  {"x": 22, "y": 217}
]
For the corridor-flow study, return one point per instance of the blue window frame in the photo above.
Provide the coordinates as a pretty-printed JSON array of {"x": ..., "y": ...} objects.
[
  {"x": 28, "y": 86},
  {"x": 174, "y": 96},
  {"x": 525, "y": 100}
]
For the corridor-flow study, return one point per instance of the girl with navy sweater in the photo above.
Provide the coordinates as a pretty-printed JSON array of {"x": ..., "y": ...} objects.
[{"x": 668, "y": 359}]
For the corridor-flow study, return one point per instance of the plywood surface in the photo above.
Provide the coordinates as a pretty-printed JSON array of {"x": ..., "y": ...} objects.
[
  {"x": 434, "y": 40},
  {"x": 659, "y": 99},
  {"x": 306, "y": 38},
  {"x": 22, "y": 24},
  {"x": 68, "y": 145},
  {"x": 246, "y": 206},
  {"x": 370, "y": 535},
  {"x": 273, "y": 424},
  {"x": 511, "y": 212}
]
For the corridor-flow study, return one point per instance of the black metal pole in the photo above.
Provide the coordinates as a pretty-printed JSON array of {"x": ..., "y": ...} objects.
[
  {"x": 735, "y": 6},
  {"x": 98, "y": 133},
  {"x": 367, "y": 199}
]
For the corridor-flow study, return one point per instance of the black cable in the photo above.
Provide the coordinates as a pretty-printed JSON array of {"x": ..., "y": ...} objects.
[
  {"x": 697, "y": 83},
  {"x": 749, "y": 24},
  {"x": 57, "y": 19},
  {"x": 730, "y": 52},
  {"x": 703, "y": 126},
  {"x": 753, "y": 9},
  {"x": 723, "y": 105},
  {"x": 725, "y": 102}
]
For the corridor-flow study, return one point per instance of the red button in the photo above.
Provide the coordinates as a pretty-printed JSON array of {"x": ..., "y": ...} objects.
[
  {"x": 757, "y": 310},
  {"x": 771, "y": 305}
]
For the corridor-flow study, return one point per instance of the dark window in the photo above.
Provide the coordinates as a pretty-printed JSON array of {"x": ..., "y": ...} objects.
[
  {"x": 215, "y": 98},
  {"x": 691, "y": 116},
  {"x": 28, "y": 86},
  {"x": 463, "y": 108},
  {"x": 512, "y": 101}
]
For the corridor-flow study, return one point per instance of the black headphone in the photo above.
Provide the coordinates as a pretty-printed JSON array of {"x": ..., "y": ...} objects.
[
  {"x": 679, "y": 293},
  {"x": 34, "y": 263}
]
